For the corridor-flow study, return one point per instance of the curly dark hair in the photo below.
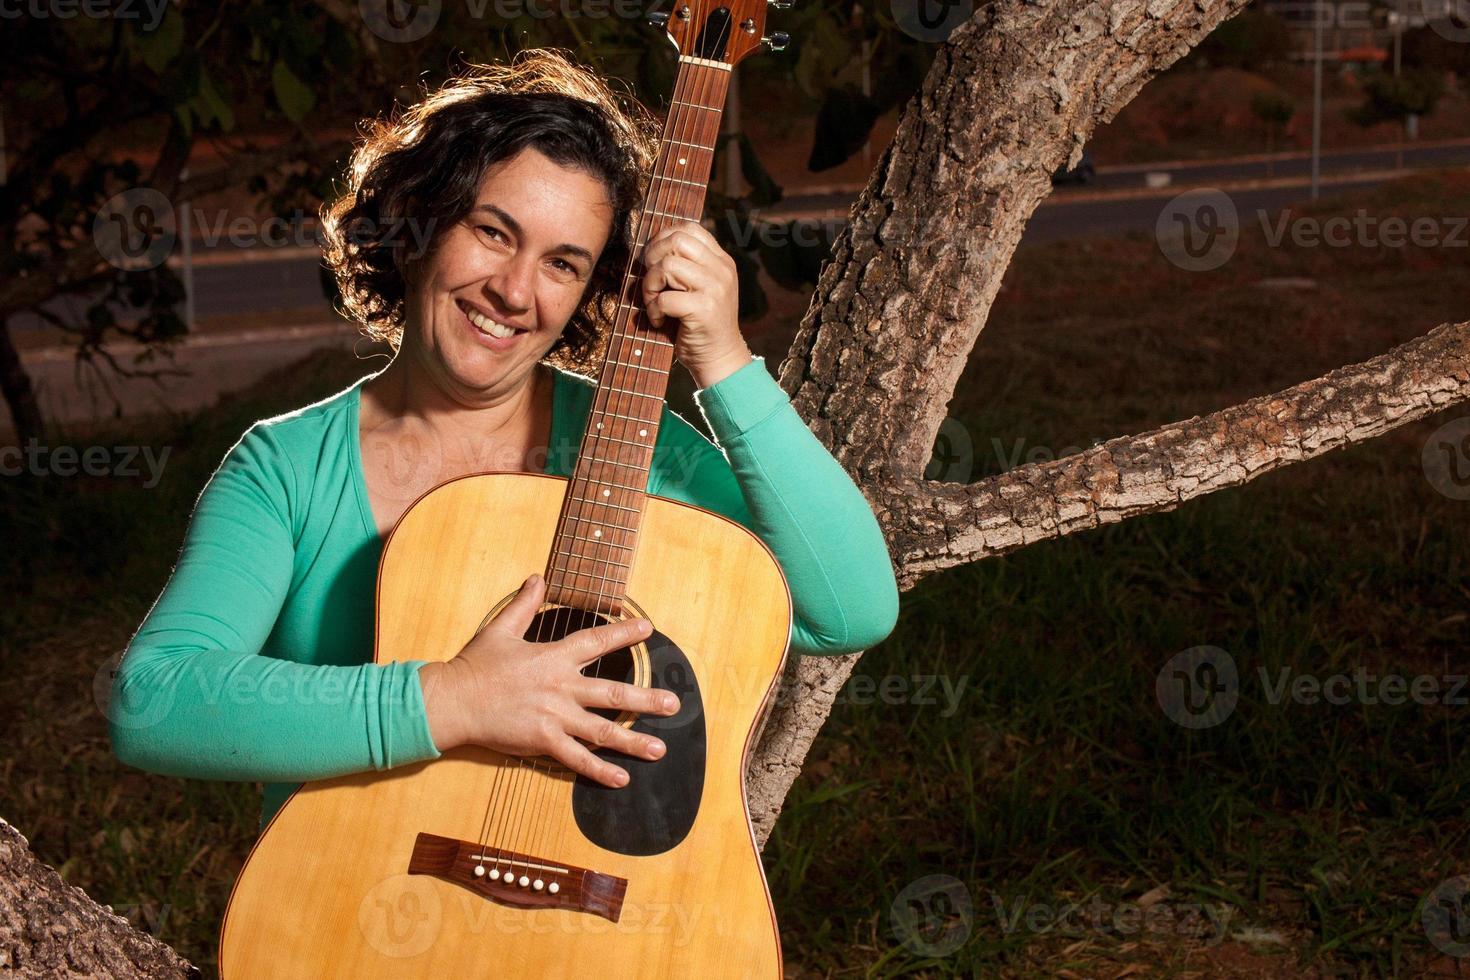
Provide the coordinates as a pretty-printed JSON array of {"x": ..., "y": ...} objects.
[{"x": 421, "y": 169}]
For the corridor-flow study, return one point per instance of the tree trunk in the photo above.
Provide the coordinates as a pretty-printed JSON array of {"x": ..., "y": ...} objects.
[
  {"x": 1015, "y": 93},
  {"x": 15, "y": 384},
  {"x": 51, "y": 929}
]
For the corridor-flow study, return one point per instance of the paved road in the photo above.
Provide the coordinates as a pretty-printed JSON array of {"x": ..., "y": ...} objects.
[
  {"x": 261, "y": 281},
  {"x": 215, "y": 365},
  {"x": 1443, "y": 154}
]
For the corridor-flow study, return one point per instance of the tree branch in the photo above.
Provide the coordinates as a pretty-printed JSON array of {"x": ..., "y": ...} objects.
[{"x": 933, "y": 526}]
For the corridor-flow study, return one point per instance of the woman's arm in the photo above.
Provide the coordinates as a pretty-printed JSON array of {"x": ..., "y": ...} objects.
[
  {"x": 194, "y": 697},
  {"x": 781, "y": 483}
]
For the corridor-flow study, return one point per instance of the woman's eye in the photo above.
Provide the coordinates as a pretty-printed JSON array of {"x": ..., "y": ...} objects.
[
  {"x": 489, "y": 230},
  {"x": 564, "y": 265}
]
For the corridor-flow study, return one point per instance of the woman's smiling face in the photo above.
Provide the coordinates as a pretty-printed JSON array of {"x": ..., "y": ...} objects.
[{"x": 521, "y": 259}]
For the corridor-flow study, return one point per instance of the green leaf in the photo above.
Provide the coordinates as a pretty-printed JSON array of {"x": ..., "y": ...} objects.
[
  {"x": 825, "y": 52},
  {"x": 792, "y": 253},
  {"x": 185, "y": 118},
  {"x": 764, "y": 191},
  {"x": 162, "y": 44},
  {"x": 292, "y": 94},
  {"x": 211, "y": 106},
  {"x": 752, "y": 303}
]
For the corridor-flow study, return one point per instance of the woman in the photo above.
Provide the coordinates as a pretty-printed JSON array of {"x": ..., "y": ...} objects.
[{"x": 254, "y": 662}]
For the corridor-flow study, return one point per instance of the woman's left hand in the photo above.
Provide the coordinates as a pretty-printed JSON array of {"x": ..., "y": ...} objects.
[{"x": 691, "y": 279}]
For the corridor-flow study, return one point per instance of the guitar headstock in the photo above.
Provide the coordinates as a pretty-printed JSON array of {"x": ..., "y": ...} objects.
[{"x": 720, "y": 30}]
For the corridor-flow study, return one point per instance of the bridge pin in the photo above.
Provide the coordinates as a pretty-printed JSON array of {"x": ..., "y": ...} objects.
[
  {"x": 524, "y": 881},
  {"x": 538, "y": 884},
  {"x": 553, "y": 888},
  {"x": 495, "y": 875},
  {"x": 479, "y": 871}
]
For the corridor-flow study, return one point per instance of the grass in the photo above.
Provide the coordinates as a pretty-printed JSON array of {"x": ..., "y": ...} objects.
[{"x": 1048, "y": 785}]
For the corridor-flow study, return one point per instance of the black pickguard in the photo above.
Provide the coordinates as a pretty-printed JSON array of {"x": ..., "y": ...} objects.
[{"x": 655, "y": 811}]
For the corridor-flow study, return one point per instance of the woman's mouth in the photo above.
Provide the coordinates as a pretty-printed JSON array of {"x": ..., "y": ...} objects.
[{"x": 496, "y": 336}]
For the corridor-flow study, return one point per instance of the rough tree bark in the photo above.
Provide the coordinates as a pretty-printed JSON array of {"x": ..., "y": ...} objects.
[
  {"x": 1016, "y": 92},
  {"x": 1013, "y": 94},
  {"x": 51, "y": 929}
]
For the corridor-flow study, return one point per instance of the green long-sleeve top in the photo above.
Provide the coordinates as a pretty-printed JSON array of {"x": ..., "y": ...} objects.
[{"x": 254, "y": 663}]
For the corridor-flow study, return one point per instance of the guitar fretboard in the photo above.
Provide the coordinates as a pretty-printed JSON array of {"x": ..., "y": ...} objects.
[{"x": 597, "y": 533}]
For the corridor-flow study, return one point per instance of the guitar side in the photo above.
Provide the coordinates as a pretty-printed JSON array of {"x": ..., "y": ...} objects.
[{"x": 361, "y": 875}]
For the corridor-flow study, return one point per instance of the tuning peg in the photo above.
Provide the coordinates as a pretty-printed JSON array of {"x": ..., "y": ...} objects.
[
  {"x": 659, "y": 19},
  {"x": 777, "y": 41}
]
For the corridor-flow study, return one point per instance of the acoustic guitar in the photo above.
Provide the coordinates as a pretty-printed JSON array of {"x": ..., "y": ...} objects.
[{"x": 481, "y": 864}]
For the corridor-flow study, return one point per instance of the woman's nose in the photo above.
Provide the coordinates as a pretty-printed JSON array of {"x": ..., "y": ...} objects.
[{"x": 514, "y": 285}]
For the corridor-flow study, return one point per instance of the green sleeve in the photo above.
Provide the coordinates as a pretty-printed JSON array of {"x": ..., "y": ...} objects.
[
  {"x": 193, "y": 695},
  {"x": 777, "y": 479}
]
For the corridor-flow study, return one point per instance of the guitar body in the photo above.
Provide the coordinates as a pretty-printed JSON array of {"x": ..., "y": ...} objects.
[{"x": 385, "y": 874}]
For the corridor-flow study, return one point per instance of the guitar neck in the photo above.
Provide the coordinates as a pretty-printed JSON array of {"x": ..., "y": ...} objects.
[{"x": 596, "y": 535}]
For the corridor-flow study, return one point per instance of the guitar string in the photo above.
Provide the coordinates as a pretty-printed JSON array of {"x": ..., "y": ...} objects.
[
  {"x": 518, "y": 795},
  {"x": 617, "y": 403},
  {"x": 662, "y": 191},
  {"x": 514, "y": 771},
  {"x": 617, "y": 408}
]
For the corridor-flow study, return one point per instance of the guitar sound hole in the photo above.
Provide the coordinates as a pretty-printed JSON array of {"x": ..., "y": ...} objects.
[{"x": 627, "y": 665}]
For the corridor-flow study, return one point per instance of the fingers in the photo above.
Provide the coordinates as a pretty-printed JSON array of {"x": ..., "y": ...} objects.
[
  {"x": 603, "y": 733},
  {"x": 598, "y": 693},
  {"x": 576, "y": 757},
  {"x": 688, "y": 238},
  {"x": 516, "y": 617},
  {"x": 585, "y": 646}
]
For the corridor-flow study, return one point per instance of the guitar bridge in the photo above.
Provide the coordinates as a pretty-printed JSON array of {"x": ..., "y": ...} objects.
[{"x": 518, "y": 880}]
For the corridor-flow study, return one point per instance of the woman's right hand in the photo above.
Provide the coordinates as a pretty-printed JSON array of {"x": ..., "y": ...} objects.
[{"x": 528, "y": 699}]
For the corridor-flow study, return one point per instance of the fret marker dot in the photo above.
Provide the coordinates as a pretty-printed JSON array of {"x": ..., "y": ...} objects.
[
  {"x": 643, "y": 432},
  {"x": 597, "y": 533},
  {"x": 599, "y": 425},
  {"x": 607, "y": 493},
  {"x": 682, "y": 161},
  {"x": 638, "y": 352}
]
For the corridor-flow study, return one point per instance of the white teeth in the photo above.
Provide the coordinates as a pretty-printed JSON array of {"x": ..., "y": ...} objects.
[{"x": 486, "y": 325}]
